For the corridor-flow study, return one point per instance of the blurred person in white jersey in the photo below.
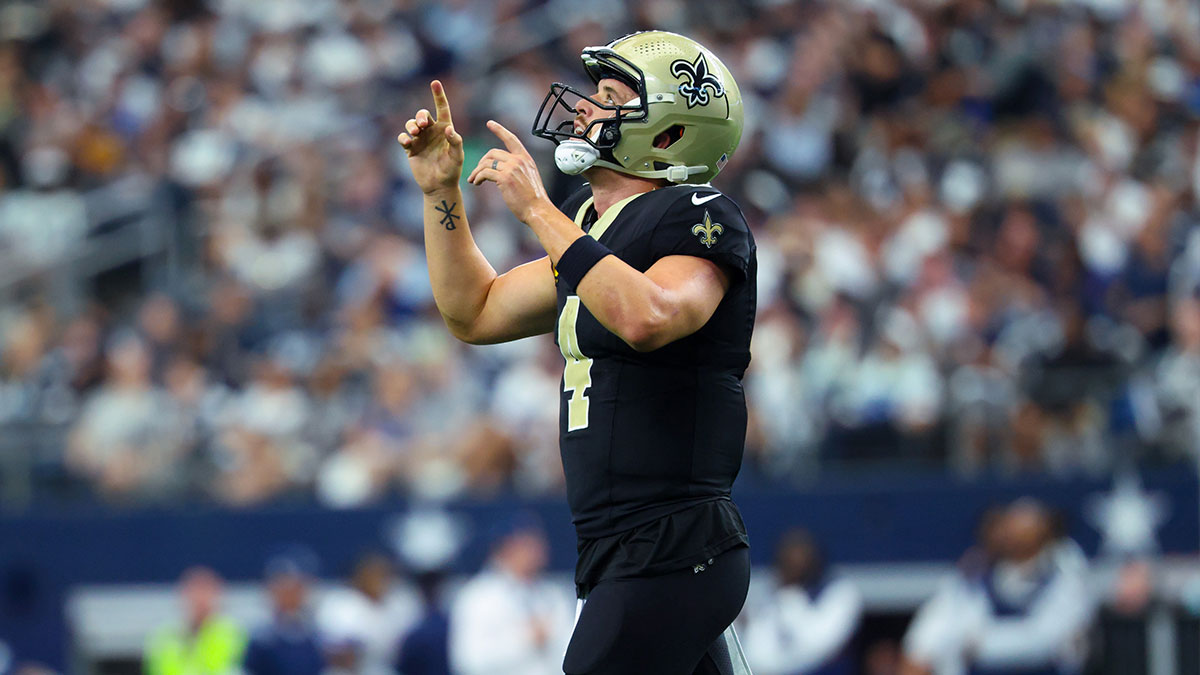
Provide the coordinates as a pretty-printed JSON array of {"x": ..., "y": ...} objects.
[
  {"x": 362, "y": 624},
  {"x": 508, "y": 620},
  {"x": 1020, "y": 605},
  {"x": 808, "y": 623}
]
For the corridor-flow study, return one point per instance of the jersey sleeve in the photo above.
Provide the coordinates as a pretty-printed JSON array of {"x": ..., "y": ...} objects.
[{"x": 707, "y": 225}]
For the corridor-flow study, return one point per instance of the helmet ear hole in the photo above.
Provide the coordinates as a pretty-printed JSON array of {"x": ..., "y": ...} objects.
[
  {"x": 610, "y": 135},
  {"x": 668, "y": 137}
]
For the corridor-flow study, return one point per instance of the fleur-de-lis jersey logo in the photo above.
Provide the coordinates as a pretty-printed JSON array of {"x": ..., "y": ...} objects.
[
  {"x": 708, "y": 230},
  {"x": 698, "y": 81}
]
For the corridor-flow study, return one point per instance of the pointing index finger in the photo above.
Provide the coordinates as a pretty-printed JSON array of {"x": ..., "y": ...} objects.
[
  {"x": 441, "y": 105},
  {"x": 510, "y": 139}
]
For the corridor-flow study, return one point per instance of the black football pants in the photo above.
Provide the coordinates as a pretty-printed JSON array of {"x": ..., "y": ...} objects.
[{"x": 664, "y": 625}]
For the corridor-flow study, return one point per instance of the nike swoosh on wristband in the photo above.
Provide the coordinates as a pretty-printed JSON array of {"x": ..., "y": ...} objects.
[{"x": 697, "y": 200}]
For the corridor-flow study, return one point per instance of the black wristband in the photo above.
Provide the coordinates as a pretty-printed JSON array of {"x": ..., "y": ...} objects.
[{"x": 579, "y": 258}]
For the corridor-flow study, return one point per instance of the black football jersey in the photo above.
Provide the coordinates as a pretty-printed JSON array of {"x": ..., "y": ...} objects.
[{"x": 647, "y": 435}]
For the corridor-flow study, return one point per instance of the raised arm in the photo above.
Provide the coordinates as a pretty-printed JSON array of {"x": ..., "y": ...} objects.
[{"x": 478, "y": 305}]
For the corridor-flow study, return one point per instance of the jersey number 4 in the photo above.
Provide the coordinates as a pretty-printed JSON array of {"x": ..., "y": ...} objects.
[{"x": 578, "y": 374}]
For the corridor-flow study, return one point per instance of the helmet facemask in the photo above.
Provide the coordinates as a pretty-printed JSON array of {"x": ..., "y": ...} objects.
[{"x": 577, "y": 152}]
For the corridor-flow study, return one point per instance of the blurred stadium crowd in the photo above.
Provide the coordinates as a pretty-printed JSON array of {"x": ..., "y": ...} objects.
[
  {"x": 977, "y": 228},
  {"x": 1019, "y": 601}
]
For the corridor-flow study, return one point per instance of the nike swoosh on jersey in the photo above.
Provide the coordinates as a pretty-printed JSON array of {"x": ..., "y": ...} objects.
[{"x": 697, "y": 200}]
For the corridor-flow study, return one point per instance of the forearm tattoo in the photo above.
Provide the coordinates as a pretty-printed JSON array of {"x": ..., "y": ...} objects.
[{"x": 449, "y": 216}]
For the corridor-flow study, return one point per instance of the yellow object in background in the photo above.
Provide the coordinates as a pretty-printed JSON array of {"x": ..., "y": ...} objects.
[{"x": 213, "y": 650}]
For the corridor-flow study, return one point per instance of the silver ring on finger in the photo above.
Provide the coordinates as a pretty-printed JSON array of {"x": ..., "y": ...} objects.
[{"x": 495, "y": 164}]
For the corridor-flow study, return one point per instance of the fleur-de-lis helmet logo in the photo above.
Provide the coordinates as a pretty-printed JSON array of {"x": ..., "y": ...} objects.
[
  {"x": 698, "y": 80},
  {"x": 708, "y": 230}
]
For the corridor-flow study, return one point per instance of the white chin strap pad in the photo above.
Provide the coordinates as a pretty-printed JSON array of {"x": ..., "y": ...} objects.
[{"x": 574, "y": 157}]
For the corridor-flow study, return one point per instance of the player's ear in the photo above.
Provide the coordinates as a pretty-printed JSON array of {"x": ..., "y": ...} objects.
[{"x": 668, "y": 137}]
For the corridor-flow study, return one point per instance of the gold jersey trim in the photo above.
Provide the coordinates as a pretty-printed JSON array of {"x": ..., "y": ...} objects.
[{"x": 603, "y": 222}]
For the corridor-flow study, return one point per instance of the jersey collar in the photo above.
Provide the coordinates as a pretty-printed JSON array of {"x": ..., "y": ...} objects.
[{"x": 602, "y": 223}]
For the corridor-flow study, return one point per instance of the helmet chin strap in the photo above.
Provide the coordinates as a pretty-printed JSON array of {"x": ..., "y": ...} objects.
[
  {"x": 575, "y": 157},
  {"x": 675, "y": 174}
]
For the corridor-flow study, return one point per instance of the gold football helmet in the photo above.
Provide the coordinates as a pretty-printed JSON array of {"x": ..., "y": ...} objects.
[{"x": 681, "y": 88}]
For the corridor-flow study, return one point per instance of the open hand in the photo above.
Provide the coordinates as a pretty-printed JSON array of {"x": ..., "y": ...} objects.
[
  {"x": 512, "y": 170},
  {"x": 434, "y": 148}
]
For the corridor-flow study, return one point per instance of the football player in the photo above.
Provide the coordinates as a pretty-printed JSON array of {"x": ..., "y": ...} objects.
[{"x": 649, "y": 286}]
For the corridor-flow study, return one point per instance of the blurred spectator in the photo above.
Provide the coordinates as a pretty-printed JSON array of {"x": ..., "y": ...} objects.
[
  {"x": 1178, "y": 382},
  {"x": 428, "y": 541},
  {"x": 807, "y": 624},
  {"x": 363, "y": 624},
  {"x": 508, "y": 620},
  {"x": 895, "y": 386},
  {"x": 262, "y": 446},
  {"x": 35, "y": 384},
  {"x": 120, "y": 440},
  {"x": 525, "y": 406},
  {"x": 159, "y": 327},
  {"x": 784, "y": 424},
  {"x": 46, "y": 220},
  {"x": 356, "y": 472},
  {"x": 1066, "y": 385},
  {"x": 425, "y": 648},
  {"x": 206, "y": 643},
  {"x": 290, "y": 644},
  {"x": 337, "y": 402},
  {"x": 1125, "y": 619},
  {"x": 1019, "y": 604}
]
